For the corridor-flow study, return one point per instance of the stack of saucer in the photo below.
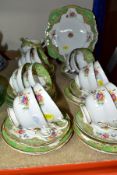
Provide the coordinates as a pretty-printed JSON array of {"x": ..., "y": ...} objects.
[{"x": 33, "y": 126}]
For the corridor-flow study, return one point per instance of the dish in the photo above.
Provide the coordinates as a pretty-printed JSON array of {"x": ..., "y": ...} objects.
[
  {"x": 103, "y": 147},
  {"x": 33, "y": 141},
  {"x": 104, "y": 134},
  {"x": 70, "y": 27}
]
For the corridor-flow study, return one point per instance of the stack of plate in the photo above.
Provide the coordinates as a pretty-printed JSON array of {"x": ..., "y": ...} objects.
[
  {"x": 103, "y": 139},
  {"x": 30, "y": 141}
]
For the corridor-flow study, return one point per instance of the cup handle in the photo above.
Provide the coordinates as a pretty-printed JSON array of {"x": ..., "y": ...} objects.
[{"x": 86, "y": 114}]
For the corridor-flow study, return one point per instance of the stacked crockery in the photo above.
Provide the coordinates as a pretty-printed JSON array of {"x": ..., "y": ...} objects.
[
  {"x": 96, "y": 120},
  {"x": 32, "y": 63},
  {"x": 35, "y": 124}
]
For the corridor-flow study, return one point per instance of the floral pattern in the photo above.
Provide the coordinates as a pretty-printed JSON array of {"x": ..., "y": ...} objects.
[
  {"x": 49, "y": 116},
  {"x": 100, "y": 97},
  {"x": 39, "y": 98},
  {"x": 113, "y": 95},
  {"x": 103, "y": 135},
  {"x": 25, "y": 101}
]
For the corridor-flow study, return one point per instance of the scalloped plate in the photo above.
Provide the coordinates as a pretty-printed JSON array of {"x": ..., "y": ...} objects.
[{"x": 70, "y": 27}]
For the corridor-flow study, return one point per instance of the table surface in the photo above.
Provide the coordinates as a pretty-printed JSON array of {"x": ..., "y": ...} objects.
[{"x": 75, "y": 151}]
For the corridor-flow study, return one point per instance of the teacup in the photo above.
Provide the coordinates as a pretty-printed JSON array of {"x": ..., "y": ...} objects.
[
  {"x": 101, "y": 108},
  {"x": 112, "y": 89},
  {"x": 80, "y": 58},
  {"x": 100, "y": 74},
  {"x": 27, "y": 110},
  {"x": 47, "y": 105}
]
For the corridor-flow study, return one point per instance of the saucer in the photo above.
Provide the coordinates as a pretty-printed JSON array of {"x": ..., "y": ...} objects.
[
  {"x": 33, "y": 141},
  {"x": 74, "y": 94},
  {"x": 104, "y": 134},
  {"x": 70, "y": 27},
  {"x": 94, "y": 144}
]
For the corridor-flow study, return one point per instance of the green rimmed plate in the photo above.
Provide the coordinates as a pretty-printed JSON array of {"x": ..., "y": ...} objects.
[
  {"x": 35, "y": 149},
  {"x": 70, "y": 27},
  {"x": 100, "y": 146},
  {"x": 105, "y": 134}
]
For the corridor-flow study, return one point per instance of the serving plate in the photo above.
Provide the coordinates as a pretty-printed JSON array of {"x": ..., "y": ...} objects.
[{"x": 70, "y": 27}]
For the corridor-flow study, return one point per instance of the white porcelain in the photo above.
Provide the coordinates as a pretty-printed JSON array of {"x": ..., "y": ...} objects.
[
  {"x": 91, "y": 77},
  {"x": 83, "y": 79},
  {"x": 30, "y": 76},
  {"x": 27, "y": 110},
  {"x": 35, "y": 56},
  {"x": 100, "y": 74},
  {"x": 13, "y": 82},
  {"x": 20, "y": 79},
  {"x": 47, "y": 105},
  {"x": 80, "y": 60},
  {"x": 28, "y": 57},
  {"x": 112, "y": 89},
  {"x": 101, "y": 107},
  {"x": 73, "y": 64}
]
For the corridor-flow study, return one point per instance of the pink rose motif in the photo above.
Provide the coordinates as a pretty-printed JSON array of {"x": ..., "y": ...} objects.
[
  {"x": 100, "y": 97},
  {"x": 114, "y": 97},
  {"x": 25, "y": 100},
  {"x": 105, "y": 136},
  {"x": 21, "y": 131},
  {"x": 39, "y": 98}
]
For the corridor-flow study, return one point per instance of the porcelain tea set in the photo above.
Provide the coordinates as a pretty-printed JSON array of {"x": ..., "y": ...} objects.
[{"x": 35, "y": 124}]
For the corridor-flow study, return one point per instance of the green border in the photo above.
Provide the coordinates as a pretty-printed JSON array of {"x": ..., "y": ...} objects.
[
  {"x": 34, "y": 149},
  {"x": 88, "y": 130},
  {"x": 55, "y": 17},
  {"x": 108, "y": 148}
]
